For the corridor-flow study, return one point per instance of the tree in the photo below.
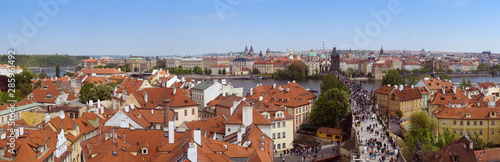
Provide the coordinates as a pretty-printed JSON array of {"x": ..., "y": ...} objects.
[
  {"x": 68, "y": 74},
  {"x": 329, "y": 82},
  {"x": 209, "y": 71},
  {"x": 411, "y": 79},
  {"x": 392, "y": 77},
  {"x": 299, "y": 67},
  {"x": 85, "y": 92},
  {"x": 399, "y": 113},
  {"x": 136, "y": 69},
  {"x": 197, "y": 70},
  {"x": 370, "y": 76},
  {"x": 220, "y": 72},
  {"x": 224, "y": 71},
  {"x": 160, "y": 63},
  {"x": 58, "y": 70},
  {"x": 78, "y": 68},
  {"x": 42, "y": 75},
  {"x": 420, "y": 129},
  {"x": 444, "y": 139},
  {"x": 206, "y": 71},
  {"x": 449, "y": 71},
  {"x": 256, "y": 71},
  {"x": 331, "y": 106},
  {"x": 444, "y": 76},
  {"x": 92, "y": 92}
]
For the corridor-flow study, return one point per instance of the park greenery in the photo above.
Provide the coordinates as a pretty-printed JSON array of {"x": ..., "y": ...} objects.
[
  {"x": 423, "y": 129},
  {"x": 295, "y": 71},
  {"x": 23, "y": 86},
  {"x": 332, "y": 105},
  {"x": 93, "y": 92},
  {"x": 44, "y": 60}
]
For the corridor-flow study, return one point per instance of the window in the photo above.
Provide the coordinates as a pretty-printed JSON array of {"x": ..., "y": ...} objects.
[
  {"x": 461, "y": 122},
  {"x": 274, "y": 125},
  {"x": 284, "y": 135},
  {"x": 444, "y": 130},
  {"x": 176, "y": 116},
  {"x": 493, "y": 122},
  {"x": 468, "y": 122},
  {"x": 283, "y": 145},
  {"x": 279, "y": 146},
  {"x": 492, "y": 140},
  {"x": 475, "y": 122},
  {"x": 279, "y": 135},
  {"x": 284, "y": 125},
  {"x": 480, "y": 132},
  {"x": 461, "y": 132},
  {"x": 454, "y": 131},
  {"x": 144, "y": 151},
  {"x": 475, "y": 132},
  {"x": 279, "y": 124},
  {"x": 481, "y": 122},
  {"x": 444, "y": 121},
  {"x": 492, "y": 132},
  {"x": 454, "y": 122},
  {"x": 185, "y": 112},
  {"x": 274, "y": 136},
  {"x": 192, "y": 111},
  {"x": 468, "y": 131}
]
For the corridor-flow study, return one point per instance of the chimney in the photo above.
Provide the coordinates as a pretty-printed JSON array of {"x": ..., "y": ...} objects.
[
  {"x": 174, "y": 90},
  {"x": 261, "y": 97},
  {"x": 389, "y": 85},
  {"x": 21, "y": 130},
  {"x": 91, "y": 103},
  {"x": 247, "y": 115},
  {"x": 197, "y": 136},
  {"x": 401, "y": 87},
  {"x": 239, "y": 134},
  {"x": 293, "y": 81},
  {"x": 251, "y": 91},
  {"x": 124, "y": 138},
  {"x": 235, "y": 104},
  {"x": 412, "y": 86},
  {"x": 127, "y": 108},
  {"x": 287, "y": 89},
  {"x": 132, "y": 105},
  {"x": 274, "y": 86},
  {"x": 119, "y": 69},
  {"x": 192, "y": 153},
  {"x": 396, "y": 87},
  {"x": 171, "y": 133},
  {"x": 166, "y": 111},
  {"x": 99, "y": 103},
  {"x": 454, "y": 88},
  {"x": 443, "y": 89},
  {"x": 61, "y": 114},
  {"x": 102, "y": 109},
  {"x": 288, "y": 82},
  {"x": 47, "y": 118},
  {"x": 146, "y": 96},
  {"x": 167, "y": 73},
  {"x": 152, "y": 112}
]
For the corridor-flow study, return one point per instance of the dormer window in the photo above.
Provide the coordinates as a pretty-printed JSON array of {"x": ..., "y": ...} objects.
[
  {"x": 46, "y": 87},
  {"x": 467, "y": 115},
  {"x": 144, "y": 150},
  {"x": 492, "y": 114}
]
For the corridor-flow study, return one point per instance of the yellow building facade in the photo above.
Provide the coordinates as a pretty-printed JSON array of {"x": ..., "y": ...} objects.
[{"x": 484, "y": 122}]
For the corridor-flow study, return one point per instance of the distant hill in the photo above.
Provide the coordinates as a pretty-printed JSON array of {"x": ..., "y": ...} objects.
[{"x": 44, "y": 60}]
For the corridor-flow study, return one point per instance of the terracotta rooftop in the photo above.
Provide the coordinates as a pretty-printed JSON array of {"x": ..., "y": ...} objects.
[
  {"x": 156, "y": 96},
  {"x": 237, "y": 117}
]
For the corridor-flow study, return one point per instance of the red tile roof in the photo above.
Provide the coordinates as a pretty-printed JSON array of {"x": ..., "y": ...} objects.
[
  {"x": 101, "y": 71},
  {"x": 48, "y": 89},
  {"x": 295, "y": 97},
  {"x": 237, "y": 117},
  {"x": 156, "y": 96}
]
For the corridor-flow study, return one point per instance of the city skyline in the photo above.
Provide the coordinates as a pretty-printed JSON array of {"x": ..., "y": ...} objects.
[{"x": 196, "y": 27}]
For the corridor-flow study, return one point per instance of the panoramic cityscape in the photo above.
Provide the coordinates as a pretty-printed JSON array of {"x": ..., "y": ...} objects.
[{"x": 256, "y": 80}]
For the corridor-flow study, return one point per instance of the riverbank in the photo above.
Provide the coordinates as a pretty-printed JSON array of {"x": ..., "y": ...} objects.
[{"x": 198, "y": 76}]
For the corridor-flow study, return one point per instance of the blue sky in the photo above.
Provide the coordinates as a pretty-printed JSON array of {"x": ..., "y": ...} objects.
[{"x": 191, "y": 27}]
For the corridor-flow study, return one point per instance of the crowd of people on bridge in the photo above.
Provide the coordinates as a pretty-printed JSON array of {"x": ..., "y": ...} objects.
[{"x": 380, "y": 144}]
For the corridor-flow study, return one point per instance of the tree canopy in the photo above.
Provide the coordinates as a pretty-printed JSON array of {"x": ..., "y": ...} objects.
[
  {"x": 392, "y": 77},
  {"x": 331, "y": 106},
  {"x": 92, "y": 92}
]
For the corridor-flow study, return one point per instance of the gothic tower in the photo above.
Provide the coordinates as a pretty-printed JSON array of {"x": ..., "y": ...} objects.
[
  {"x": 268, "y": 53},
  {"x": 335, "y": 59}
]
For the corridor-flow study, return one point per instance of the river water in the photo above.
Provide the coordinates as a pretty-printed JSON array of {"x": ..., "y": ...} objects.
[{"x": 315, "y": 84}]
